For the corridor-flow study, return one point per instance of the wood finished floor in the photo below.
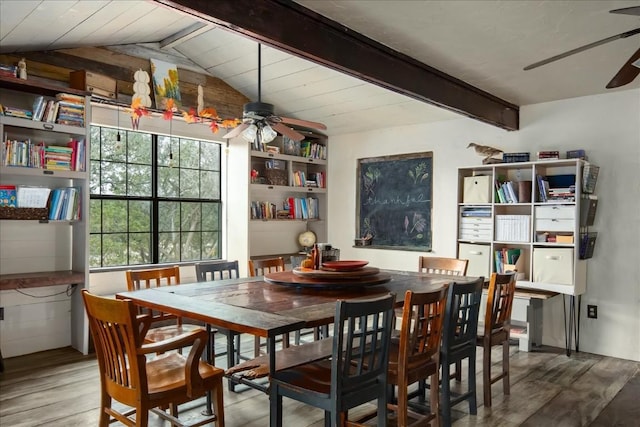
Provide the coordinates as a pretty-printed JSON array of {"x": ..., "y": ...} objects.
[{"x": 61, "y": 388}]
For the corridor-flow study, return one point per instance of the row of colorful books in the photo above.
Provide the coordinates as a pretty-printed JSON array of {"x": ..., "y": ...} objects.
[
  {"x": 314, "y": 179},
  {"x": 71, "y": 157},
  {"x": 66, "y": 109}
]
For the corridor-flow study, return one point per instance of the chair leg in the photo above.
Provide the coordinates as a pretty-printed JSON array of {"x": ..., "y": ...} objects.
[
  {"x": 256, "y": 346},
  {"x": 506, "y": 388},
  {"x": 402, "y": 405},
  {"x": 445, "y": 396},
  {"x": 458, "y": 372},
  {"x": 382, "y": 412},
  {"x": 105, "y": 402},
  {"x": 285, "y": 340},
  {"x": 142, "y": 416},
  {"x": 218, "y": 403},
  {"x": 486, "y": 374},
  {"x": 434, "y": 395},
  {"x": 473, "y": 400}
]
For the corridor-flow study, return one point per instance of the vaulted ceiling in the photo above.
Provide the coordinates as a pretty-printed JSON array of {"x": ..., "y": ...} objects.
[{"x": 485, "y": 44}]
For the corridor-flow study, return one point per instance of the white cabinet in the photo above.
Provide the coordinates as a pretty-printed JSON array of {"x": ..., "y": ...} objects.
[
  {"x": 288, "y": 195},
  {"x": 531, "y": 221},
  {"x": 42, "y": 253}
]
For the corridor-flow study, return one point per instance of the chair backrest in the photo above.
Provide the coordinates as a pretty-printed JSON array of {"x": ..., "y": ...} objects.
[
  {"x": 216, "y": 270},
  {"x": 144, "y": 279},
  {"x": 141, "y": 279},
  {"x": 361, "y": 337},
  {"x": 421, "y": 330},
  {"x": 502, "y": 288},
  {"x": 117, "y": 334},
  {"x": 461, "y": 315},
  {"x": 440, "y": 265},
  {"x": 259, "y": 267}
]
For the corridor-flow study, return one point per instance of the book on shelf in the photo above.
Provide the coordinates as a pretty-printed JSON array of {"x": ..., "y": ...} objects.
[
  {"x": 543, "y": 188},
  {"x": 515, "y": 157},
  {"x": 8, "y": 196},
  {"x": 548, "y": 155}
]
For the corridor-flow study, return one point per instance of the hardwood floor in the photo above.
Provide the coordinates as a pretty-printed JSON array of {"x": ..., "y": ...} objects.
[{"x": 61, "y": 388}]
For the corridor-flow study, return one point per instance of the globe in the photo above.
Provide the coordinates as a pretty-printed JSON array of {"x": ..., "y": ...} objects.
[{"x": 307, "y": 239}]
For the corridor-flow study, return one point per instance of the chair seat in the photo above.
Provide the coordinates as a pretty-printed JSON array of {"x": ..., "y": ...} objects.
[
  {"x": 166, "y": 373},
  {"x": 166, "y": 332},
  {"x": 312, "y": 377},
  {"x": 416, "y": 369}
]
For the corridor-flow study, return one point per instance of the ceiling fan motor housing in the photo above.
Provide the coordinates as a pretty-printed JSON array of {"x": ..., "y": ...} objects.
[{"x": 259, "y": 108}]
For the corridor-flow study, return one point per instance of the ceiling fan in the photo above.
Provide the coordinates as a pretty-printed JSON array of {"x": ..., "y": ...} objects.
[
  {"x": 629, "y": 70},
  {"x": 260, "y": 123}
]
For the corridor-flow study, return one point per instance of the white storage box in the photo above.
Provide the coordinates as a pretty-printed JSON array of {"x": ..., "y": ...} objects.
[
  {"x": 553, "y": 265},
  {"x": 479, "y": 257},
  {"x": 477, "y": 189},
  {"x": 475, "y": 228},
  {"x": 513, "y": 228}
]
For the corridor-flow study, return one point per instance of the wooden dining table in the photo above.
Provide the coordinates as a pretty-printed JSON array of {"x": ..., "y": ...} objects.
[{"x": 259, "y": 307}]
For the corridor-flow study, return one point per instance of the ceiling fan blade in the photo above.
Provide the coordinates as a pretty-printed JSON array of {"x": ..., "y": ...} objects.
[
  {"x": 583, "y": 48},
  {"x": 627, "y": 73},
  {"x": 287, "y": 131},
  {"x": 236, "y": 131},
  {"x": 633, "y": 10},
  {"x": 305, "y": 123}
]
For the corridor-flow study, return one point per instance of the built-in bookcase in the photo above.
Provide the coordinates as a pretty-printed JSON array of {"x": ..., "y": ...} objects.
[
  {"x": 44, "y": 257},
  {"x": 288, "y": 194}
]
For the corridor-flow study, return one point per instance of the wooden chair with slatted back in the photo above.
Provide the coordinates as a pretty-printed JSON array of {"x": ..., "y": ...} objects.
[
  {"x": 356, "y": 372},
  {"x": 440, "y": 265},
  {"x": 415, "y": 356},
  {"x": 260, "y": 267},
  {"x": 495, "y": 330},
  {"x": 127, "y": 376},
  {"x": 166, "y": 276},
  {"x": 220, "y": 270}
]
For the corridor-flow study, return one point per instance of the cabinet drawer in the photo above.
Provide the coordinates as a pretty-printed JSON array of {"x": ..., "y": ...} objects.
[
  {"x": 553, "y": 265},
  {"x": 478, "y": 256},
  {"x": 555, "y": 212},
  {"x": 475, "y": 222},
  {"x": 545, "y": 224},
  {"x": 475, "y": 235}
]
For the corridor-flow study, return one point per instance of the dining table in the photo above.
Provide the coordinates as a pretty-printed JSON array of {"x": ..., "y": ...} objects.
[{"x": 269, "y": 307}]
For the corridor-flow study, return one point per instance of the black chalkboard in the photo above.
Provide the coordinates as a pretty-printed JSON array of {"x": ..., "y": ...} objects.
[{"x": 394, "y": 201}]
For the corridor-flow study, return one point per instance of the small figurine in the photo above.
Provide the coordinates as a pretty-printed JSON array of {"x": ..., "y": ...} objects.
[
  {"x": 22, "y": 69},
  {"x": 487, "y": 152}
]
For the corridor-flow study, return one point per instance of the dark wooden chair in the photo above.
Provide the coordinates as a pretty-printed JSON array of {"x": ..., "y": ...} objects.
[
  {"x": 129, "y": 377},
  {"x": 219, "y": 270},
  {"x": 440, "y": 265},
  {"x": 459, "y": 343},
  {"x": 355, "y": 374},
  {"x": 260, "y": 267},
  {"x": 415, "y": 354},
  {"x": 495, "y": 331},
  {"x": 167, "y": 276}
]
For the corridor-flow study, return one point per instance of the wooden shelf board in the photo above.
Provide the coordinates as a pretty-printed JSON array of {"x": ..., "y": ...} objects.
[{"x": 40, "y": 279}]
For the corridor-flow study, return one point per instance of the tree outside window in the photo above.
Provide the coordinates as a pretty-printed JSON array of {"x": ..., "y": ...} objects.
[{"x": 154, "y": 199}]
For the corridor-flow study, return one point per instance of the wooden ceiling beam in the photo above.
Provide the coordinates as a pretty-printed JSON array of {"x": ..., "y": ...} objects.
[{"x": 299, "y": 31}]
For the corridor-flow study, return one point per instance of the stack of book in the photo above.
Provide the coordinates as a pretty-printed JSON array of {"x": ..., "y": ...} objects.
[
  {"x": 548, "y": 155},
  {"x": 70, "y": 109},
  {"x": 17, "y": 112},
  {"x": 57, "y": 157},
  {"x": 8, "y": 70}
]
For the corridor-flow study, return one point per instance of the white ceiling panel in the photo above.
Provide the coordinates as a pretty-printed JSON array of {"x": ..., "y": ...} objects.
[{"x": 485, "y": 43}]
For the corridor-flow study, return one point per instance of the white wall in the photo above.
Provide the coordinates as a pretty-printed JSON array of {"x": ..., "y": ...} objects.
[{"x": 606, "y": 126}]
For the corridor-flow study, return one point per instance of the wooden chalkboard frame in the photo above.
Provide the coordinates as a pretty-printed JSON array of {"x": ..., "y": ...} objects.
[{"x": 394, "y": 201}]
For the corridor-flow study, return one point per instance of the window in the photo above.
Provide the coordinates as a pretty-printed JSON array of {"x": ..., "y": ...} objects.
[{"x": 154, "y": 199}]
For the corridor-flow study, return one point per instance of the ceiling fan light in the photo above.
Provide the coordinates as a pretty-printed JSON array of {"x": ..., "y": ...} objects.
[
  {"x": 267, "y": 134},
  {"x": 250, "y": 133}
]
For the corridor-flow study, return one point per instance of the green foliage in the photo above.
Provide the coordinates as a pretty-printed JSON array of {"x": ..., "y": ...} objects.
[{"x": 121, "y": 229}]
